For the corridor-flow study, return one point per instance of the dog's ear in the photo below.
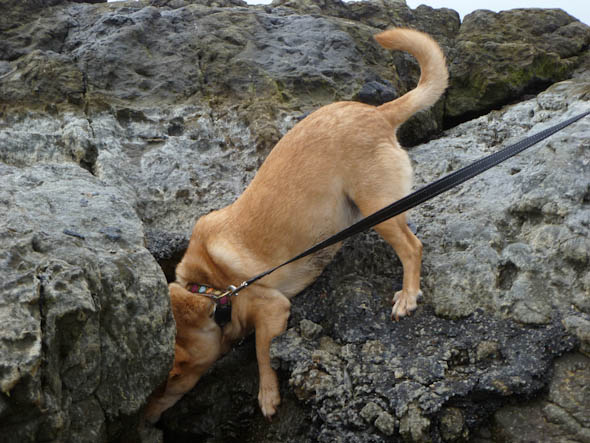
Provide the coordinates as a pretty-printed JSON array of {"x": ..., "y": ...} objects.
[{"x": 189, "y": 308}]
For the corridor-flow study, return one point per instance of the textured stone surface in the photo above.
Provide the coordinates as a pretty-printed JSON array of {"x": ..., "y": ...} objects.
[
  {"x": 86, "y": 327},
  {"x": 500, "y": 56},
  {"x": 518, "y": 230},
  {"x": 560, "y": 415}
]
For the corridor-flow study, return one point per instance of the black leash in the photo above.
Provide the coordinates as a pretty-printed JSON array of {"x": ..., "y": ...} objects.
[{"x": 421, "y": 195}]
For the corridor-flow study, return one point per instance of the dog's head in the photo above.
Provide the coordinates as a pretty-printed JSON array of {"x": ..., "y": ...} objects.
[{"x": 198, "y": 346}]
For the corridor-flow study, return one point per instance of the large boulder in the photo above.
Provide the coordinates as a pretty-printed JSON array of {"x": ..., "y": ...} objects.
[
  {"x": 498, "y": 57},
  {"x": 520, "y": 229},
  {"x": 284, "y": 57},
  {"x": 86, "y": 325}
]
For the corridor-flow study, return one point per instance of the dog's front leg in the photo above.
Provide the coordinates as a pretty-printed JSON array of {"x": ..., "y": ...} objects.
[{"x": 270, "y": 314}]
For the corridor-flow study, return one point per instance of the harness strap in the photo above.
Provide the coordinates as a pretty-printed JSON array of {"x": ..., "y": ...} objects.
[{"x": 423, "y": 194}]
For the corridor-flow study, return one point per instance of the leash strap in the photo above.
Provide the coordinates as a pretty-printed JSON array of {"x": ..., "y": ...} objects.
[{"x": 423, "y": 194}]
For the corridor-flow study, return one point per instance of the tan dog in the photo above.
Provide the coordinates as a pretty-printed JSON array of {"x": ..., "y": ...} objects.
[{"x": 338, "y": 164}]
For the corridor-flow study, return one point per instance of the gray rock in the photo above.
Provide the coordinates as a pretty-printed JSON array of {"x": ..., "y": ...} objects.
[
  {"x": 309, "y": 329},
  {"x": 417, "y": 383},
  {"x": 385, "y": 423},
  {"x": 371, "y": 411},
  {"x": 167, "y": 248},
  {"x": 376, "y": 93},
  {"x": 87, "y": 332},
  {"x": 31, "y": 80},
  {"x": 452, "y": 425},
  {"x": 560, "y": 415},
  {"x": 518, "y": 230}
]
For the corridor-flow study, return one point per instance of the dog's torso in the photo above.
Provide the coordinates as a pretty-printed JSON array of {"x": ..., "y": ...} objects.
[{"x": 302, "y": 194}]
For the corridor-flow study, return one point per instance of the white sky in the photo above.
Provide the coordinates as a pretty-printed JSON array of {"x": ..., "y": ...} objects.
[{"x": 577, "y": 8}]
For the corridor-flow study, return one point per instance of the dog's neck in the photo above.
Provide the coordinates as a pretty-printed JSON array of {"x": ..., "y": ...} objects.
[
  {"x": 222, "y": 299},
  {"x": 197, "y": 267}
]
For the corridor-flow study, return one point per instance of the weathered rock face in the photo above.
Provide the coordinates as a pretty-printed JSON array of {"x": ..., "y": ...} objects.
[
  {"x": 499, "y": 56},
  {"x": 531, "y": 234},
  {"x": 121, "y": 123},
  {"x": 79, "y": 296},
  {"x": 560, "y": 415}
]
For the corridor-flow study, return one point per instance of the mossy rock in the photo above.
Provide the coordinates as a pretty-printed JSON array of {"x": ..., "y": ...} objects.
[{"x": 500, "y": 57}]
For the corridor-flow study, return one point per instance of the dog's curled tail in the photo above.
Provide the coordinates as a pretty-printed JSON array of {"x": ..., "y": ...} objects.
[{"x": 433, "y": 77}]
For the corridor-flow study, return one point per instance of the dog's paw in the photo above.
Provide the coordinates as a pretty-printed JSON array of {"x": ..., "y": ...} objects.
[
  {"x": 269, "y": 399},
  {"x": 404, "y": 304}
]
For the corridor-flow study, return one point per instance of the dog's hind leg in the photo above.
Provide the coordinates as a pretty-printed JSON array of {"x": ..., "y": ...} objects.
[
  {"x": 380, "y": 184},
  {"x": 409, "y": 250}
]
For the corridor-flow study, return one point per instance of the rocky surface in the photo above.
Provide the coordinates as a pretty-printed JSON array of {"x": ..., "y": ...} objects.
[
  {"x": 499, "y": 56},
  {"x": 560, "y": 415},
  {"x": 121, "y": 123},
  {"x": 530, "y": 234},
  {"x": 79, "y": 295}
]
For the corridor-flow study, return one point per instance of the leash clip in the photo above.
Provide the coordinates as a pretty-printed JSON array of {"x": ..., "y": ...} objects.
[
  {"x": 229, "y": 291},
  {"x": 233, "y": 290},
  {"x": 223, "y": 305}
]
